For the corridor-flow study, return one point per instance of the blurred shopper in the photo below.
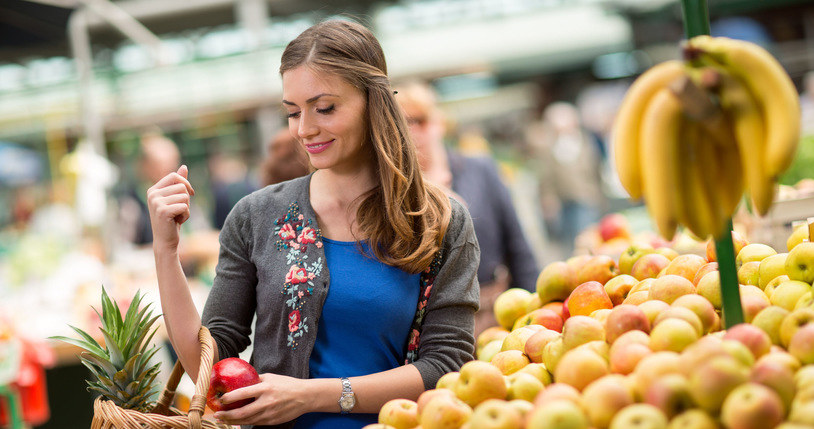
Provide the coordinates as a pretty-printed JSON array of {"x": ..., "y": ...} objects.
[
  {"x": 402, "y": 256},
  {"x": 230, "y": 181},
  {"x": 567, "y": 164},
  {"x": 285, "y": 159},
  {"x": 476, "y": 181}
]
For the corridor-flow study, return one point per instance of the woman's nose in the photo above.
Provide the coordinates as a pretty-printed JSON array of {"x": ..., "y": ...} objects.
[{"x": 306, "y": 127}]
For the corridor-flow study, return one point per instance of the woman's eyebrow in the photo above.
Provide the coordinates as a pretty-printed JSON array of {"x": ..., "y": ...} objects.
[{"x": 311, "y": 100}]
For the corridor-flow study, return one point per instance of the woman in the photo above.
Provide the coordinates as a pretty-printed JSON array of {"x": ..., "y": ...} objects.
[{"x": 402, "y": 256}]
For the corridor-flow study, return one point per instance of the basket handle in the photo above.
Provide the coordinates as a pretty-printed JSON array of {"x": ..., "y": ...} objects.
[{"x": 198, "y": 402}]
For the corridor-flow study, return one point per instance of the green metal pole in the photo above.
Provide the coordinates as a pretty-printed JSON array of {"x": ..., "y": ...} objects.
[{"x": 696, "y": 23}]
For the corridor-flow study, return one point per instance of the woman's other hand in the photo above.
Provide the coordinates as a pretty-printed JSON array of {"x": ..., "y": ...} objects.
[
  {"x": 278, "y": 399},
  {"x": 168, "y": 202}
]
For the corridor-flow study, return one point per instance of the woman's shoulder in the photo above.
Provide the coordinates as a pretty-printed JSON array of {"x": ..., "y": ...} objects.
[
  {"x": 278, "y": 194},
  {"x": 460, "y": 221}
]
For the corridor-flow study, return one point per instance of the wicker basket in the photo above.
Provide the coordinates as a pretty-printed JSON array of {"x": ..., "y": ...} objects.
[{"x": 107, "y": 415}]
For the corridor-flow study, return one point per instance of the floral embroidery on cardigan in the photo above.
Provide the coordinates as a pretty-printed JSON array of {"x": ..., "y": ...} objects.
[
  {"x": 294, "y": 234},
  {"x": 427, "y": 282}
]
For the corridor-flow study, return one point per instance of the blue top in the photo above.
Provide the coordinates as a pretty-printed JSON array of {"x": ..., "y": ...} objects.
[{"x": 353, "y": 343}]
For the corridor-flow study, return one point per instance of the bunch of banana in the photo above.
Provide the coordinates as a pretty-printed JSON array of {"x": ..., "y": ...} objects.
[{"x": 691, "y": 135}]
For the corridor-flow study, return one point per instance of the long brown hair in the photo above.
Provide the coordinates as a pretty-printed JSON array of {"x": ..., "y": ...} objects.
[{"x": 403, "y": 218}]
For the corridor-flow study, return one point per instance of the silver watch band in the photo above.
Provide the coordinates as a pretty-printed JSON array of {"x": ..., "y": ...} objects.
[{"x": 347, "y": 399}]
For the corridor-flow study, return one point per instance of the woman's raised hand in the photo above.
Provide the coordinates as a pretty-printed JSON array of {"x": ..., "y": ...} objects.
[{"x": 168, "y": 201}]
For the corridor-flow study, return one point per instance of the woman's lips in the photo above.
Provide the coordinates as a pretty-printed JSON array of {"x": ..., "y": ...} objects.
[{"x": 317, "y": 147}]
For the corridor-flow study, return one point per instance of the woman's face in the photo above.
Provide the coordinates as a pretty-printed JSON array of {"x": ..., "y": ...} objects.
[{"x": 327, "y": 115}]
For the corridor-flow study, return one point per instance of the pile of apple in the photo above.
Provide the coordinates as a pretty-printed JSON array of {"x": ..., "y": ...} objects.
[{"x": 638, "y": 343}]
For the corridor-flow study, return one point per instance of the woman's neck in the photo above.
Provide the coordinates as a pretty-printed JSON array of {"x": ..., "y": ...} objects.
[{"x": 335, "y": 198}]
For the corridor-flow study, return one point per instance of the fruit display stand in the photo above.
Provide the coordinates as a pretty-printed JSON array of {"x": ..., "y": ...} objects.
[{"x": 781, "y": 221}]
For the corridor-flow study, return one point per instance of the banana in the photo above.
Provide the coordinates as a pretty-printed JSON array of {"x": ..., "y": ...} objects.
[
  {"x": 659, "y": 154},
  {"x": 748, "y": 126},
  {"x": 729, "y": 178},
  {"x": 627, "y": 124},
  {"x": 769, "y": 84},
  {"x": 698, "y": 210}
]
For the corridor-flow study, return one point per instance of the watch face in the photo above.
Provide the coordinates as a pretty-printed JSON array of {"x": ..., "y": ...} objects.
[{"x": 347, "y": 401}]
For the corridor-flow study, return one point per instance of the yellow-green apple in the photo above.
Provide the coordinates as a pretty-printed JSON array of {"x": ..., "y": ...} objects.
[
  {"x": 603, "y": 398},
  {"x": 713, "y": 380},
  {"x": 804, "y": 377},
  {"x": 534, "y": 303},
  {"x": 495, "y": 414},
  {"x": 802, "y": 413},
  {"x": 639, "y": 416},
  {"x": 642, "y": 286},
  {"x": 516, "y": 340},
  {"x": 601, "y": 315},
  {"x": 584, "y": 366},
  {"x": 487, "y": 352},
  {"x": 787, "y": 294},
  {"x": 426, "y": 396},
  {"x": 599, "y": 347},
  {"x": 780, "y": 357},
  {"x": 536, "y": 344},
  {"x": 227, "y": 375},
  {"x": 557, "y": 392},
  {"x": 800, "y": 262},
  {"x": 701, "y": 351},
  {"x": 669, "y": 287},
  {"x": 540, "y": 316},
  {"x": 478, "y": 382},
  {"x": 693, "y": 419},
  {"x": 445, "y": 412},
  {"x": 739, "y": 351},
  {"x": 707, "y": 268},
  {"x": 600, "y": 268},
  {"x": 753, "y": 301},
  {"x": 557, "y": 414},
  {"x": 556, "y": 282},
  {"x": 637, "y": 298},
  {"x": 686, "y": 266},
  {"x": 555, "y": 306},
  {"x": 652, "y": 309},
  {"x": 588, "y": 297},
  {"x": 748, "y": 273},
  {"x": 754, "y": 338},
  {"x": 538, "y": 370},
  {"x": 576, "y": 262},
  {"x": 631, "y": 255},
  {"x": 682, "y": 313},
  {"x": 801, "y": 345},
  {"x": 580, "y": 330},
  {"x": 625, "y": 318},
  {"x": 753, "y": 252},
  {"x": 552, "y": 353},
  {"x": 771, "y": 268},
  {"x": 673, "y": 334},
  {"x": 618, "y": 287},
  {"x": 510, "y": 361},
  {"x": 777, "y": 377},
  {"x": 797, "y": 236},
  {"x": 807, "y": 300},
  {"x": 769, "y": 289},
  {"x": 752, "y": 406},
  {"x": 399, "y": 413},
  {"x": 701, "y": 307},
  {"x": 653, "y": 366},
  {"x": 613, "y": 225},
  {"x": 510, "y": 305},
  {"x": 623, "y": 360},
  {"x": 448, "y": 380},
  {"x": 490, "y": 334},
  {"x": 738, "y": 240},
  {"x": 524, "y": 386},
  {"x": 793, "y": 321},
  {"x": 649, "y": 266},
  {"x": 668, "y": 252},
  {"x": 710, "y": 288},
  {"x": 670, "y": 394},
  {"x": 522, "y": 407}
]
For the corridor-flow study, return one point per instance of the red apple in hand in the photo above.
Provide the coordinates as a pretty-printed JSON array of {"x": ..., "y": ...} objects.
[{"x": 227, "y": 375}]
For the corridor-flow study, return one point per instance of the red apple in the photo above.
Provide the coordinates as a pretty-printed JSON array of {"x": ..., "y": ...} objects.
[
  {"x": 588, "y": 297},
  {"x": 227, "y": 375},
  {"x": 614, "y": 225},
  {"x": 600, "y": 268}
]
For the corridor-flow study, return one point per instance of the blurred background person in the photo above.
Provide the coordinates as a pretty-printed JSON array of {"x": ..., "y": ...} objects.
[
  {"x": 506, "y": 257},
  {"x": 567, "y": 162},
  {"x": 229, "y": 182},
  {"x": 285, "y": 159}
]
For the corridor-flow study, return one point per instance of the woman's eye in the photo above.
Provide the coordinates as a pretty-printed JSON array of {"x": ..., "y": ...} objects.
[
  {"x": 326, "y": 110},
  {"x": 294, "y": 115}
]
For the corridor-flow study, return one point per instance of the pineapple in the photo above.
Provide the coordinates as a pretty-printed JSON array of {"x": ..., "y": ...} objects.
[{"x": 122, "y": 367}]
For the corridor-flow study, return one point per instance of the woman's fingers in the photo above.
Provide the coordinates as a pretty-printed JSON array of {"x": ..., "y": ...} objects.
[
  {"x": 173, "y": 211},
  {"x": 173, "y": 179}
]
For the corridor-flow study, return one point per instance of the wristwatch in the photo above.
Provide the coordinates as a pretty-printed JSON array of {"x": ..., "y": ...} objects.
[{"x": 348, "y": 399}]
